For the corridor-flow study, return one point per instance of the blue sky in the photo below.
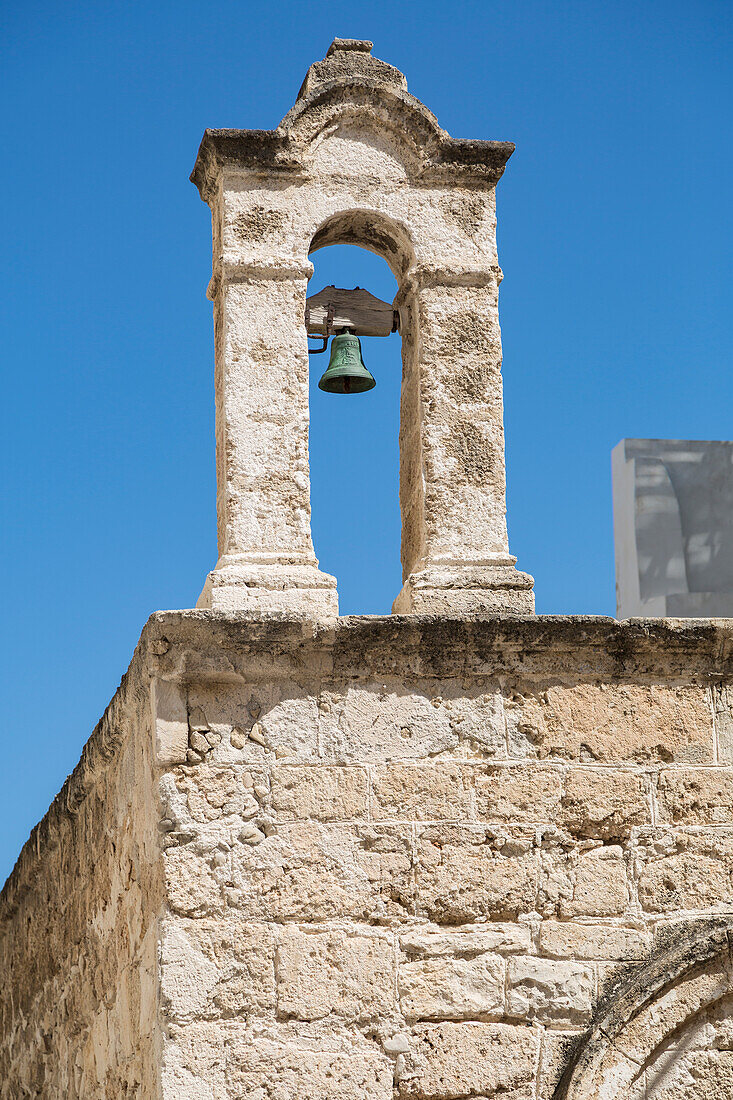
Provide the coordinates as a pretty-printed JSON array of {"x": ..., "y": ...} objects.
[{"x": 614, "y": 237}]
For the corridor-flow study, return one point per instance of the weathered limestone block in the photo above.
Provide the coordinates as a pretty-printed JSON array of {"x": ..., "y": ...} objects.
[
  {"x": 265, "y": 719},
  {"x": 685, "y": 869},
  {"x": 280, "y": 1072},
  {"x": 194, "y": 886},
  {"x": 571, "y": 939},
  {"x": 214, "y": 792},
  {"x": 577, "y": 882},
  {"x": 452, "y": 989},
  {"x": 449, "y": 1061},
  {"x": 469, "y": 940},
  {"x": 696, "y": 796},
  {"x": 613, "y": 722},
  {"x": 425, "y": 792},
  {"x": 549, "y": 992},
  {"x": 223, "y": 1061},
  {"x": 337, "y": 971},
  {"x": 463, "y": 874},
  {"x": 587, "y": 801},
  {"x": 604, "y": 803},
  {"x": 318, "y": 872},
  {"x": 379, "y": 722},
  {"x": 170, "y": 707},
  {"x": 217, "y": 967},
  {"x": 193, "y": 1062},
  {"x": 519, "y": 794},
  {"x": 476, "y": 713},
  {"x": 321, "y": 792}
]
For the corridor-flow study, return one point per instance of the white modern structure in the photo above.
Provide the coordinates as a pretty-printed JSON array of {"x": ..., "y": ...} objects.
[{"x": 673, "y": 527}]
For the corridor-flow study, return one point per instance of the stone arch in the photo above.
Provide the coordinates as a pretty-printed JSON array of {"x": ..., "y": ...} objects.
[
  {"x": 691, "y": 973},
  {"x": 370, "y": 229},
  {"x": 337, "y": 104}
]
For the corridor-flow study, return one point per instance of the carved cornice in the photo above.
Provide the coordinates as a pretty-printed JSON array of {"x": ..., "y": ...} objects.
[{"x": 349, "y": 83}]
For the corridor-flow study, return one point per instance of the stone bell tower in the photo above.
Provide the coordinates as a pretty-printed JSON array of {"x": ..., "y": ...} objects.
[
  {"x": 452, "y": 856},
  {"x": 358, "y": 160}
]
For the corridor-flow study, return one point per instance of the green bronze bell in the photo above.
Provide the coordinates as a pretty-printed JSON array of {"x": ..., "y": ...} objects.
[{"x": 346, "y": 372}]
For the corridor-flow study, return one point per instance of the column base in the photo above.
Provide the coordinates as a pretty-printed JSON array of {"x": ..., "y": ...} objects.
[
  {"x": 467, "y": 590},
  {"x": 301, "y": 590}
]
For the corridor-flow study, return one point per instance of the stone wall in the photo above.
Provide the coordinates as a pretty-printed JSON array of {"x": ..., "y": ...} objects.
[
  {"x": 411, "y": 858},
  {"x": 79, "y": 925}
]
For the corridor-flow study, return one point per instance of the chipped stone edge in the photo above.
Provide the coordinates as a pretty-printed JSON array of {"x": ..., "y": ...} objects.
[{"x": 100, "y": 750}]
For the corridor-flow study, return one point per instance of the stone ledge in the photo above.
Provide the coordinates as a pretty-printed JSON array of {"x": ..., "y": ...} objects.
[{"x": 543, "y": 648}]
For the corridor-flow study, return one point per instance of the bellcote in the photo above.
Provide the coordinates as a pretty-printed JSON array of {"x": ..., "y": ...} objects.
[{"x": 358, "y": 160}]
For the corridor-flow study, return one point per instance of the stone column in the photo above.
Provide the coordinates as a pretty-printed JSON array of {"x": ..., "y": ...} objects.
[
  {"x": 455, "y": 551},
  {"x": 266, "y": 557}
]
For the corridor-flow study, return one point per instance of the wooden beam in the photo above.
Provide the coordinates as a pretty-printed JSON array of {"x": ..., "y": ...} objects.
[{"x": 358, "y": 310}]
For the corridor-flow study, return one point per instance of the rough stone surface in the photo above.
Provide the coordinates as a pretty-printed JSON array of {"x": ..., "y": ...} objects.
[
  {"x": 696, "y": 796},
  {"x": 350, "y": 975},
  {"x": 328, "y": 863},
  {"x": 424, "y": 791},
  {"x": 550, "y": 992},
  {"x": 601, "y": 803},
  {"x": 452, "y": 989},
  {"x": 685, "y": 869},
  {"x": 325, "y": 793},
  {"x": 79, "y": 1008},
  {"x": 632, "y": 722},
  {"x": 594, "y": 883},
  {"x": 571, "y": 939},
  {"x": 472, "y": 939},
  {"x": 470, "y": 1059}
]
